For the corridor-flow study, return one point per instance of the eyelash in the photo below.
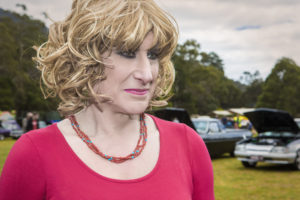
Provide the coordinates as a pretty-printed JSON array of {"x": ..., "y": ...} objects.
[{"x": 129, "y": 54}]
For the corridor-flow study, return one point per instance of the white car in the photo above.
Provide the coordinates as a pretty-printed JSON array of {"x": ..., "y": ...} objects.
[{"x": 278, "y": 139}]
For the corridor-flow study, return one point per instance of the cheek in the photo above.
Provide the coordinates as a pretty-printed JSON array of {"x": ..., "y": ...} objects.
[{"x": 155, "y": 71}]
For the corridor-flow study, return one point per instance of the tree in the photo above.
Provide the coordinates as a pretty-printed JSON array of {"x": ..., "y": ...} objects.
[
  {"x": 200, "y": 85},
  {"x": 212, "y": 59},
  {"x": 19, "y": 77},
  {"x": 253, "y": 88},
  {"x": 281, "y": 88}
]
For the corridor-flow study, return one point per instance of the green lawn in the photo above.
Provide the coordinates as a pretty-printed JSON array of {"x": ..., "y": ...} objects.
[
  {"x": 233, "y": 181},
  {"x": 5, "y": 146},
  {"x": 266, "y": 181}
]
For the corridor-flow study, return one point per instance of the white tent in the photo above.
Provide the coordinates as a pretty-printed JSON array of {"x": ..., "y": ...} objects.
[
  {"x": 240, "y": 111},
  {"x": 222, "y": 112}
]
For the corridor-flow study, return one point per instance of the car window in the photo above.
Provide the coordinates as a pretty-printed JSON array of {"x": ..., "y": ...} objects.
[
  {"x": 213, "y": 127},
  {"x": 200, "y": 126},
  {"x": 10, "y": 125}
]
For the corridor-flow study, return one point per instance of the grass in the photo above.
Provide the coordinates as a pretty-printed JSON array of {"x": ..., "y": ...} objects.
[
  {"x": 233, "y": 181},
  {"x": 5, "y": 146},
  {"x": 266, "y": 181}
]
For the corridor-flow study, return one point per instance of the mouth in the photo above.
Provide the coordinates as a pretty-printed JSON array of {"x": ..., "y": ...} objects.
[{"x": 137, "y": 91}]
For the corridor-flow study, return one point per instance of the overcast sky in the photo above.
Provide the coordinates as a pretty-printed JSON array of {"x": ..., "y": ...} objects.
[{"x": 248, "y": 35}]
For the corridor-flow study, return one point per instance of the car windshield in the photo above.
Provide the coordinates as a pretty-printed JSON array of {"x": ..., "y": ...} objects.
[
  {"x": 201, "y": 126},
  {"x": 276, "y": 134},
  {"x": 298, "y": 123},
  {"x": 10, "y": 125}
]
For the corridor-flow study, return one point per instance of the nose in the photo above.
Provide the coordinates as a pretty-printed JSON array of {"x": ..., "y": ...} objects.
[{"x": 144, "y": 70}]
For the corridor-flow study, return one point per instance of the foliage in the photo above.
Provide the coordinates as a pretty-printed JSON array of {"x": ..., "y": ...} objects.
[
  {"x": 281, "y": 88},
  {"x": 252, "y": 88},
  {"x": 18, "y": 76},
  {"x": 200, "y": 84}
]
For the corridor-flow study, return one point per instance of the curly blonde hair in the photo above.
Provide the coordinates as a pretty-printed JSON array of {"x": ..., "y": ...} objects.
[{"x": 70, "y": 61}]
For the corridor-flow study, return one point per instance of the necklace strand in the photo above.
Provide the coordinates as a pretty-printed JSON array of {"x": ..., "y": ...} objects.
[{"x": 137, "y": 151}]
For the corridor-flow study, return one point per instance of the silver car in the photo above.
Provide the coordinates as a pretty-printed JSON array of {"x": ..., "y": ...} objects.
[{"x": 278, "y": 139}]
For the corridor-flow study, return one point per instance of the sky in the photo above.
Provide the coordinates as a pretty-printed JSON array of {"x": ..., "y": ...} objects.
[{"x": 248, "y": 35}]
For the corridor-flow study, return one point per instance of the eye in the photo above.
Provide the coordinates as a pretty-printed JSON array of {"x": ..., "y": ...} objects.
[
  {"x": 152, "y": 55},
  {"x": 127, "y": 54}
]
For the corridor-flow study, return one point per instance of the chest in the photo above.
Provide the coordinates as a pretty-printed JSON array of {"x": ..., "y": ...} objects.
[
  {"x": 130, "y": 169},
  {"x": 160, "y": 172}
]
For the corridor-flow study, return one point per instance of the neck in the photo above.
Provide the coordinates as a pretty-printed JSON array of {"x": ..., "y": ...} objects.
[{"x": 94, "y": 122}]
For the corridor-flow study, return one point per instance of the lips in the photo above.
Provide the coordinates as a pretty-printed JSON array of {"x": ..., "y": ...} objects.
[{"x": 137, "y": 91}]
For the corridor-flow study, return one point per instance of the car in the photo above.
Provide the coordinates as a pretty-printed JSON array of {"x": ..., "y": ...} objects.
[
  {"x": 217, "y": 139},
  {"x": 297, "y": 120},
  {"x": 15, "y": 129},
  {"x": 205, "y": 125},
  {"x": 4, "y": 133},
  {"x": 42, "y": 124},
  {"x": 278, "y": 139}
]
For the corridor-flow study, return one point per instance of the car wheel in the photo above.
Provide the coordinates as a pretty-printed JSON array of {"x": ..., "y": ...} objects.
[
  {"x": 249, "y": 164},
  {"x": 297, "y": 161},
  {"x": 2, "y": 137}
]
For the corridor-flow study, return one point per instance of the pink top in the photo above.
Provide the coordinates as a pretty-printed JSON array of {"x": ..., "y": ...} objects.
[{"x": 41, "y": 165}]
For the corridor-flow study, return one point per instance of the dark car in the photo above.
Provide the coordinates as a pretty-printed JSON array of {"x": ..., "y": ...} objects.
[
  {"x": 4, "y": 133},
  {"x": 217, "y": 139},
  {"x": 278, "y": 139}
]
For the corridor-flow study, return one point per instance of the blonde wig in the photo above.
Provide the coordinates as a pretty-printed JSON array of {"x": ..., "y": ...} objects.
[{"x": 70, "y": 61}]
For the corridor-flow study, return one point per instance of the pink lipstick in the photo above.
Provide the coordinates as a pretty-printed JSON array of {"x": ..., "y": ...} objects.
[{"x": 137, "y": 91}]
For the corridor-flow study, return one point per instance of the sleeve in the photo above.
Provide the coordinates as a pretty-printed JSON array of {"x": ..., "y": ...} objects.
[
  {"x": 203, "y": 181},
  {"x": 22, "y": 175}
]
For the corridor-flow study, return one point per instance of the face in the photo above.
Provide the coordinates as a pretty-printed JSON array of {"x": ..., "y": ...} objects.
[{"x": 131, "y": 78}]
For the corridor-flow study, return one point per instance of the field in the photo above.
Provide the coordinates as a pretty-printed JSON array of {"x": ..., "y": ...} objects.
[{"x": 234, "y": 182}]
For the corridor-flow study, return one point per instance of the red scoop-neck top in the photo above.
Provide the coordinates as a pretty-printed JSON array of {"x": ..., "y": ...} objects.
[{"x": 42, "y": 166}]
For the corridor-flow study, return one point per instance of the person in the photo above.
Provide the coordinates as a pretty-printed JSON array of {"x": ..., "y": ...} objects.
[
  {"x": 25, "y": 120},
  {"x": 109, "y": 61},
  {"x": 32, "y": 122}
]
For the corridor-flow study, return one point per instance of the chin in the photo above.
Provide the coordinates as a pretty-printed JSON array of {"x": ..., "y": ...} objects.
[{"x": 135, "y": 108}]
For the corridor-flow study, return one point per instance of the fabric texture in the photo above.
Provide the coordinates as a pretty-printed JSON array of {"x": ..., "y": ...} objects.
[{"x": 42, "y": 166}]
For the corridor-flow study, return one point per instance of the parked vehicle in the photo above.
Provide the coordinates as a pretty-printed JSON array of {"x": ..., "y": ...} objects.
[
  {"x": 4, "y": 133},
  {"x": 217, "y": 139},
  {"x": 297, "y": 120},
  {"x": 278, "y": 139},
  {"x": 15, "y": 129}
]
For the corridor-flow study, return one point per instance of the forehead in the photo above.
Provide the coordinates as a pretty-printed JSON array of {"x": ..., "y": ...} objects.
[{"x": 148, "y": 42}]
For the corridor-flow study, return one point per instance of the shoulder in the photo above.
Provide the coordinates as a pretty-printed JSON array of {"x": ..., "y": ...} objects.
[
  {"x": 180, "y": 131},
  {"x": 175, "y": 127},
  {"x": 168, "y": 125},
  {"x": 26, "y": 146},
  {"x": 43, "y": 134},
  {"x": 24, "y": 169}
]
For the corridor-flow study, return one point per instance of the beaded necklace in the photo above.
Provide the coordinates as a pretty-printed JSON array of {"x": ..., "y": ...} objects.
[{"x": 137, "y": 151}]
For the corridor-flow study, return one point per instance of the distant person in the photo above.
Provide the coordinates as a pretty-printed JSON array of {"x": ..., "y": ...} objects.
[
  {"x": 109, "y": 61},
  {"x": 224, "y": 121},
  {"x": 32, "y": 122},
  {"x": 29, "y": 116},
  {"x": 35, "y": 121}
]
